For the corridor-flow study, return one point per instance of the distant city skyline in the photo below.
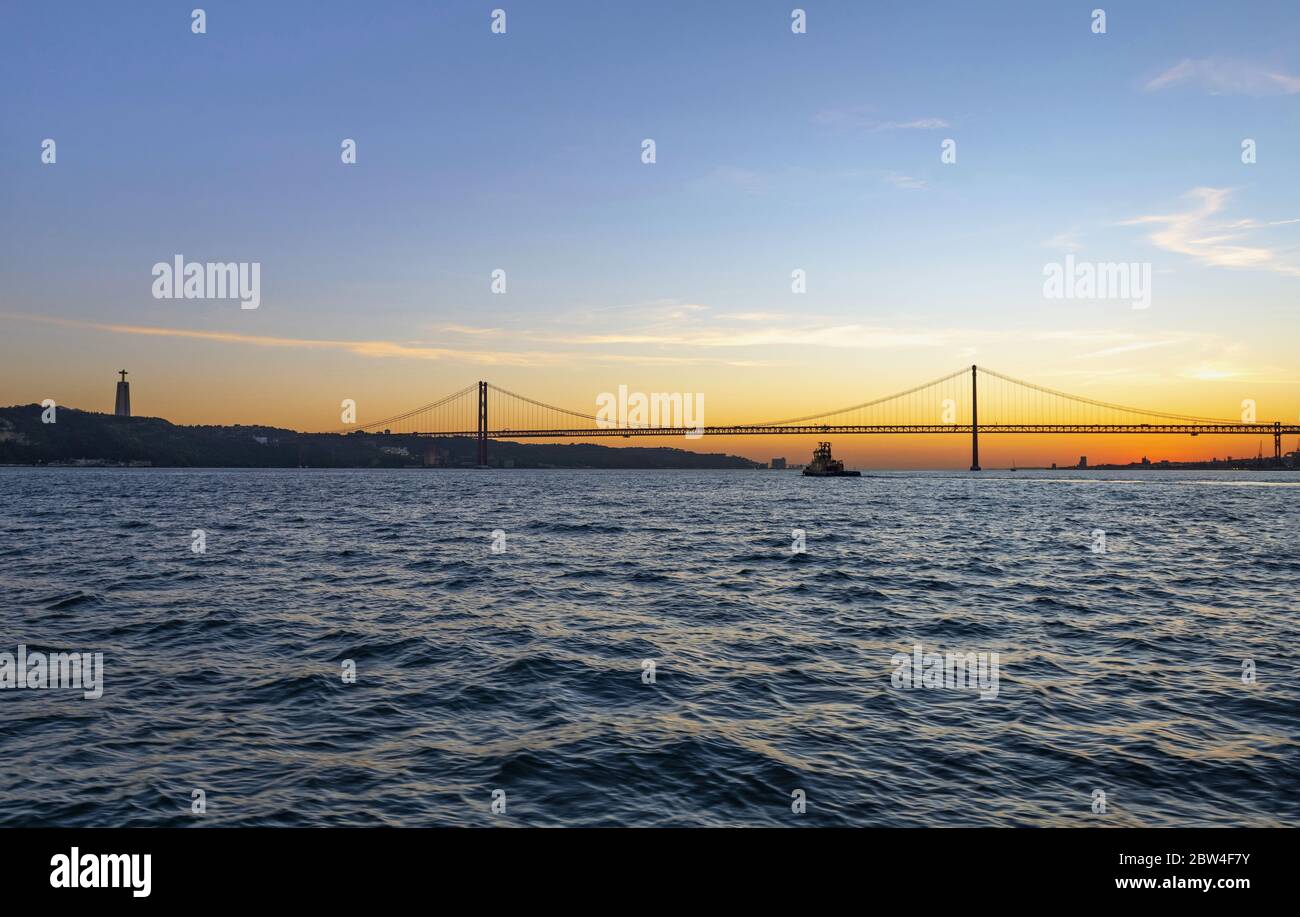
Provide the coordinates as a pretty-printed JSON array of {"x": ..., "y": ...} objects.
[{"x": 775, "y": 153}]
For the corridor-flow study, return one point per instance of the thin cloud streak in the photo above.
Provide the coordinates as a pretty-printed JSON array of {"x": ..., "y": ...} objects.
[
  {"x": 1128, "y": 348},
  {"x": 857, "y": 117},
  {"x": 1064, "y": 242},
  {"x": 1223, "y": 76},
  {"x": 361, "y": 348},
  {"x": 383, "y": 349},
  {"x": 916, "y": 124},
  {"x": 728, "y": 338},
  {"x": 1197, "y": 234},
  {"x": 874, "y": 337},
  {"x": 906, "y": 182}
]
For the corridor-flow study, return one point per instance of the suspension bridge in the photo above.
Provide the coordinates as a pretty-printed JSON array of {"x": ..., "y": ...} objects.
[{"x": 971, "y": 401}]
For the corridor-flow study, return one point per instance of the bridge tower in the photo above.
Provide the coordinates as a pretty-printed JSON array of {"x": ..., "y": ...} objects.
[
  {"x": 482, "y": 424},
  {"x": 974, "y": 420},
  {"x": 1277, "y": 440}
]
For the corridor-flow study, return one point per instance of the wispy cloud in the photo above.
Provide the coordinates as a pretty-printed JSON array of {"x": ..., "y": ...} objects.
[
  {"x": 862, "y": 118},
  {"x": 649, "y": 310},
  {"x": 1063, "y": 242},
  {"x": 1225, "y": 76},
  {"x": 916, "y": 124},
  {"x": 1198, "y": 233},
  {"x": 466, "y": 329},
  {"x": 863, "y": 337},
  {"x": 781, "y": 330},
  {"x": 399, "y": 349},
  {"x": 1128, "y": 348},
  {"x": 906, "y": 182},
  {"x": 373, "y": 348},
  {"x": 755, "y": 316},
  {"x": 754, "y": 339},
  {"x": 1217, "y": 373}
]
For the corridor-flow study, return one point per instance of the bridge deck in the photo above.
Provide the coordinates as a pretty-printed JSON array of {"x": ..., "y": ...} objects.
[{"x": 1246, "y": 429}]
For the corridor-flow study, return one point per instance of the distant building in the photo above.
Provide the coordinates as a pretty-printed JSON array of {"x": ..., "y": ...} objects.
[
  {"x": 1083, "y": 461},
  {"x": 123, "y": 406},
  {"x": 778, "y": 464},
  {"x": 435, "y": 457}
]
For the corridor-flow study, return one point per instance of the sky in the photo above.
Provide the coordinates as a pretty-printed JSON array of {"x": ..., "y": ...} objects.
[{"x": 522, "y": 152}]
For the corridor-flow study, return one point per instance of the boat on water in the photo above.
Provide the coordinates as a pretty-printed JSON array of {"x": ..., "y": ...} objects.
[{"x": 823, "y": 466}]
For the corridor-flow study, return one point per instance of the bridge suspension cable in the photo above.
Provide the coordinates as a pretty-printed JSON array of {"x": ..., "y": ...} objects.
[
  {"x": 824, "y": 415},
  {"x": 540, "y": 404},
  {"x": 398, "y": 420},
  {"x": 1100, "y": 404}
]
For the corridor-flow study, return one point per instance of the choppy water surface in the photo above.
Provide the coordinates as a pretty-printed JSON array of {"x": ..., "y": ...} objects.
[{"x": 522, "y": 671}]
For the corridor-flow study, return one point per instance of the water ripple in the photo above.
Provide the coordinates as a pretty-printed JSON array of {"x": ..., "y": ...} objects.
[{"x": 528, "y": 670}]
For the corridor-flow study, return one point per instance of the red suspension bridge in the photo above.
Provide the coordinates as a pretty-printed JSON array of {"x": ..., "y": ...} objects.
[{"x": 970, "y": 401}]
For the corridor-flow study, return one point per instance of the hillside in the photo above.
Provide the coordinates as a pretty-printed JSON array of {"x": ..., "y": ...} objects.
[{"x": 83, "y": 437}]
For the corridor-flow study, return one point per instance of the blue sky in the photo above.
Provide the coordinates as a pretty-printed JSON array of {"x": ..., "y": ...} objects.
[{"x": 775, "y": 151}]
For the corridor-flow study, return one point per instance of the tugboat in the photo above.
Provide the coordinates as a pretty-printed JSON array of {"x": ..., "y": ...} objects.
[{"x": 823, "y": 466}]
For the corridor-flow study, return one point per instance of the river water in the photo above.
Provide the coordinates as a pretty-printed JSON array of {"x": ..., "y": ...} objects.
[{"x": 651, "y": 648}]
